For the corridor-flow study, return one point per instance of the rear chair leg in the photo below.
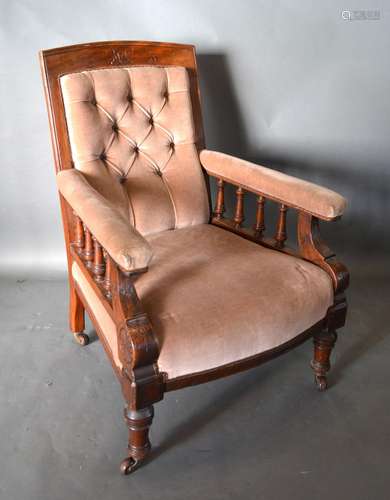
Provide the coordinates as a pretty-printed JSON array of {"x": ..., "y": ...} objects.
[
  {"x": 323, "y": 345},
  {"x": 76, "y": 317},
  {"x": 138, "y": 423}
]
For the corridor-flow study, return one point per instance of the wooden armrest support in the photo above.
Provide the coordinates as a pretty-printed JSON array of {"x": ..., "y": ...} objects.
[
  {"x": 313, "y": 249},
  {"x": 138, "y": 346}
]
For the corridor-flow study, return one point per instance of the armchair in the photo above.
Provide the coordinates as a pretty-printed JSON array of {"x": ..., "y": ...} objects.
[{"x": 178, "y": 295}]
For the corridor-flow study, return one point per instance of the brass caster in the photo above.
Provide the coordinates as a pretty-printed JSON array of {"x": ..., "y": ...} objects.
[
  {"x": 81, "y": 338},
  {"x": 128, "y": 465},
  {"x": 321, "y": 382}
]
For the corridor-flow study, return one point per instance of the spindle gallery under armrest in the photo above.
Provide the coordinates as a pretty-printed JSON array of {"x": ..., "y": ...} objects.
[
  {"x": 93, "y": 256},
  {"x": 256, "y": 232},
  {"x": 309, "y": 244}
]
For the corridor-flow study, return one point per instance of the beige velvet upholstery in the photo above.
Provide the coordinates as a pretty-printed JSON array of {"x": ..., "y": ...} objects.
[
  {"x": 214, "y": 298},
  {"x": 113, "y": 231},
  {"x": 317, "y": 200},
  {"x": 132, "y": 135},
  {"x": 100, "y": 313}
]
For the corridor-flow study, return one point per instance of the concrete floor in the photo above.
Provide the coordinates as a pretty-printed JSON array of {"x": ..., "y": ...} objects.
[{"x": 264, "y": 434}]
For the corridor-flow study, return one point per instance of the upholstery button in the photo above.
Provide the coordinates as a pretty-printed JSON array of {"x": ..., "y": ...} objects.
[
  {"x": 122, "y": 179},
  {"x": 136, "y": 149},
  {"x": 115, "y": 127},
  {"x": 103, "y": 156},
  {"x": 151, "y": 121},
  {"x": 93, "y": 102},
  {"x": 129, "y": 98},
  {"x": 172, "y": 145}
]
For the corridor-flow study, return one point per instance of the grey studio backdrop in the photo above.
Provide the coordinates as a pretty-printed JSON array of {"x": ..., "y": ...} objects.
[{"x": 300, "y": 86}]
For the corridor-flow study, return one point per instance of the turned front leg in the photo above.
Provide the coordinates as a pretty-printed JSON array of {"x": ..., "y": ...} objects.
[
  {"x": 138, "y": 423},
  {"x": 323, "y": 345}
]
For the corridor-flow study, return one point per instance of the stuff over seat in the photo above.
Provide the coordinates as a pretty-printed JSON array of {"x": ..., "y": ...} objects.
[{"x": 210, "y": 308}]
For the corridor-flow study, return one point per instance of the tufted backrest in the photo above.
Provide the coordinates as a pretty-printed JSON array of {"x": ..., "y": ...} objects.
[{"x": 132, "y": 135}]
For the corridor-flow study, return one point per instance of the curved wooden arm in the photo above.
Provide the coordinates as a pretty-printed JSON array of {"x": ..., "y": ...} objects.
[
  {"x": 138, "y": 346},
  {"x": 312, "y": 248}
]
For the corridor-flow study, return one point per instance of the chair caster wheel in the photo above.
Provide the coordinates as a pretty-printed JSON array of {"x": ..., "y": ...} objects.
[
  {"x": 128, "y": 465},
  {"x": 321, "y": 382},
  {"x": 81, "y": 338}
]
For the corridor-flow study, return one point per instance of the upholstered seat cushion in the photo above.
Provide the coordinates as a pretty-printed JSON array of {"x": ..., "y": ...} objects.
[{"x": 214, "y": 298}]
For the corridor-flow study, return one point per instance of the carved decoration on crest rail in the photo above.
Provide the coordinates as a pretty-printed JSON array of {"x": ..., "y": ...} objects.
[
  {"x": 121, "y": 57},
  {"x": 126, "y": 56}
]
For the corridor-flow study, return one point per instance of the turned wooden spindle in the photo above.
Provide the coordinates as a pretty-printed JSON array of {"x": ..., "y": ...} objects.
[
  {"x": 239, "y": 214},
  {"x": 260, "y": 216},
  {"x": 88, "y": 249},
  {"x": 98, "y": 267},
  {"x": 107, "y": 279},
  {"x": 220, "y": 201},
  {"x": 281, "y": 231},
  {"x": 79, "y": 236}
]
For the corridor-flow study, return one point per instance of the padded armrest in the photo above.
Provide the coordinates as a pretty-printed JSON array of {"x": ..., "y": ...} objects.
[
  {"x": 318, "y": 201},
  {"x": 119, "y": 238}
]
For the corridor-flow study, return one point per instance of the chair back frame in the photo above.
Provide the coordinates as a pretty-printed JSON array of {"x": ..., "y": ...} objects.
[{"x": 60, "y": 61}]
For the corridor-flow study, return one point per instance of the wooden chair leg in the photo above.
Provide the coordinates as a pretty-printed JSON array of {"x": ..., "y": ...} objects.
[
  {"x": 323, "y": 345},
  {"x": 138, "y": 423},
  {"x": 77, "y": 318}
]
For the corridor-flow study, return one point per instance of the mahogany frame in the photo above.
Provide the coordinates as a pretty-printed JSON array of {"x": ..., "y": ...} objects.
[{"x": 141, "y": 381}]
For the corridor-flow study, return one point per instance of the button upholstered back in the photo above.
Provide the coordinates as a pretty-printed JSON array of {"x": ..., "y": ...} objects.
[{"x": 132, "y": 135}]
